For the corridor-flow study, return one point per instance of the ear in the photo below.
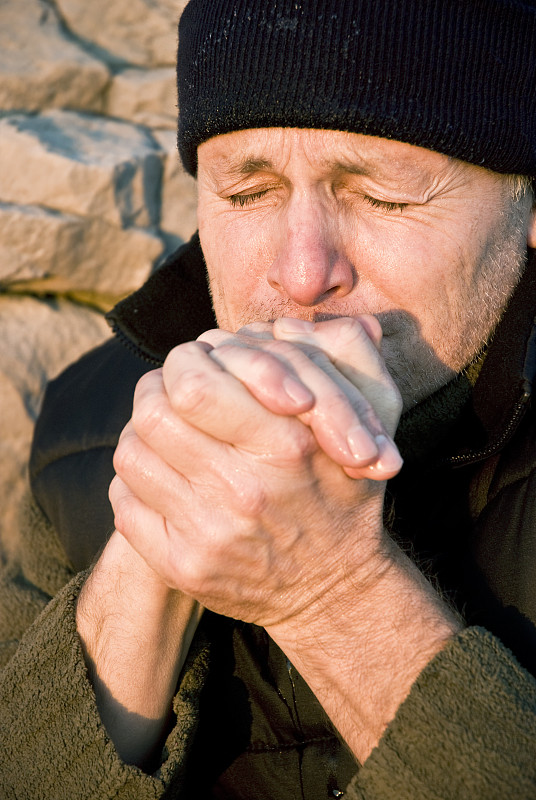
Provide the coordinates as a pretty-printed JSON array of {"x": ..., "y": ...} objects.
[{"x": 531, "y": 233}]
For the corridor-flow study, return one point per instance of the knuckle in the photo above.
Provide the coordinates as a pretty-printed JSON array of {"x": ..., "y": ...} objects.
[
  {"x": 114, "y": 490},
  {"x": 246, "y": 491},
  {"x": 187, "y": 377},
  {"x": 192, "y": 572},
  {"x": 125, "y": 457},
  {"x": 346, "y": 331},
  {"x": 147, "y": 414},
  {"x": 123, "y": 516},
  {"x": 182, "y": 351},
  {"x": 182, "y": 357},
  {"x": 192, "y": 390},
  {"x": 265, "y": 365},
  {"x": 251, "y": 499},
  {"x": 350, "y": 328},
  {"x": 299, "y": 446},
  {"x": 148, "y": 384}
]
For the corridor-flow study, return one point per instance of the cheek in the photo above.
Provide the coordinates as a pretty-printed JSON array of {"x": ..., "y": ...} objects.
[
  {"x": 403, "y": 262},
  {"x": 237, "y": 257}
]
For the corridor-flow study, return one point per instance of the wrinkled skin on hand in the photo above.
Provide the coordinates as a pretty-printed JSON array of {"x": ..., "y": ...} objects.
[{"x": 252, "y": 473}]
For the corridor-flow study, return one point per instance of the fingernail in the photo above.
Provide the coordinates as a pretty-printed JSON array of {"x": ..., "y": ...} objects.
[
  {"x": 292, "y": 325},
  {"x": 297, "y": 392},
  {"x": 362, "y": 445},
  {"x": 389, "y": 459}
]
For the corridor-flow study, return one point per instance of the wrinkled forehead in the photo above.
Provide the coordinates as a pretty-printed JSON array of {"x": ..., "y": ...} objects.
[{"x": 325, "y": 152}]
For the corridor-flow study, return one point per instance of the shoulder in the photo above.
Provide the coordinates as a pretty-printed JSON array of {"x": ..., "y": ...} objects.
[
  {"x": 504, "y": 544},
  {"x": 83, "y": 413}
]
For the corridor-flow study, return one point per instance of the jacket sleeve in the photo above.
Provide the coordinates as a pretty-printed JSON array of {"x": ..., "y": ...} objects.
[
  {"x": 53, "y": 743},
  {"x": 467, "y": 730}
]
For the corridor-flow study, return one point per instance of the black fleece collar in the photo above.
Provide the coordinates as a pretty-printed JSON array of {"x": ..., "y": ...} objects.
[
  {"x": 171, "y": 307},
  {"x": 174, "y": 306}
]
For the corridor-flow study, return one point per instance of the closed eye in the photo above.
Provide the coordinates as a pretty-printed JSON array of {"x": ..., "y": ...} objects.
[
  {"x": 241, "y": 200},
  {"x": 384, "y": 205}
]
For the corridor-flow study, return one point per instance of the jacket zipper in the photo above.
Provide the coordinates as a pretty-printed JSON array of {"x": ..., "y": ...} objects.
[{"x": 479, "y": 455}]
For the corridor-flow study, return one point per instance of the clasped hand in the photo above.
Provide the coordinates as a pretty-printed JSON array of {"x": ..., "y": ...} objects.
[{"x": 252, "y": 473}]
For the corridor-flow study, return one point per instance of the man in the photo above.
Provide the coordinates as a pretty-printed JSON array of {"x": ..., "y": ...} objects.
[{"x": 270, "y": 618}]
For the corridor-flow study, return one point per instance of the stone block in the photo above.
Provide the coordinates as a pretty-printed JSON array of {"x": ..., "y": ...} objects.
[
  {"x": 179, "y": 194},
  {"x": 141, "y": 32},
  {"x": 16, "y": 430},
  {"x": 40, "y": 66},
  {"x": 38, "y": 339},
  {"x": 47, "y": 251},
  {"x": 146, "y": 97},
  {"x": 81, "y": 164}
]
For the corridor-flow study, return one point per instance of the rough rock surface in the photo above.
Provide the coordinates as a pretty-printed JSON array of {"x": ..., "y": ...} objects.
[
  {"x": 47, "y": 251},
  {"x": 38, "y": 340},
  {"x": 83, "y": 165},
  {"x": 142, "y": 32},
  {"x": 40, "y": 65},
  {"x": 179, "y": 191},
  {"x": 147, "y": 97},
  {"x": 91, "y": 189}
]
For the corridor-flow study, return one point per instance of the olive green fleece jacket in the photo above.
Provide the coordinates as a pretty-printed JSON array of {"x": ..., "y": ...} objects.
[{"x": 467, "y": 729}]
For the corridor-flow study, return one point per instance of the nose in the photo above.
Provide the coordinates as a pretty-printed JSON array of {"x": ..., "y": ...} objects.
[{"x": 310, "y": 265}]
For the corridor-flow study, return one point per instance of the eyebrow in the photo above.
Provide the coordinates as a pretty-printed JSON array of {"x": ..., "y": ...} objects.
[
  {"x": 250, "y": 164},
  {"x": 381, "y": 169},
  {"x": 347, "y": 166},
  {"x": 246, "y": 166}
]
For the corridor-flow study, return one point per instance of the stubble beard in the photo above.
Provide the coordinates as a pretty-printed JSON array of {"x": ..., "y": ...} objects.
[{"x": 418, "y": 367}]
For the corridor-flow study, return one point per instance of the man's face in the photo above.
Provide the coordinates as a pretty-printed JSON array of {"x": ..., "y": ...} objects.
[{"x": 318, "y": 224}]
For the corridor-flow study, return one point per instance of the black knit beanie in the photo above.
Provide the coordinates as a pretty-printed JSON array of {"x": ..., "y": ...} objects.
[{"x": 456, "y": 76}]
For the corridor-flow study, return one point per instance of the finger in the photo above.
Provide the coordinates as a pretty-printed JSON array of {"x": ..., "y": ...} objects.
[
  {"x": 193, "y": 390},
  {"x": 270, "y": 383},
  {"x": 210, "y": 481},
  {"x": 347, "y": 441},
  {"x": 353, "y": 346},
  {"x": 146, "y": 531},
  {"x": 343, "y": 422},
  {"x": 280, "y": 389},
  {"x": 133, "y": 519},
  {"x": 254, "y": 330},
  {"x": 387, "y": 465},
  {"x": 184, "y": 530},
  {"x": 218, "y": 485},
  {"x": 148, "y": 474},
  {"x": 212, "y": 400},
  {"x": 372, "y": 328}
]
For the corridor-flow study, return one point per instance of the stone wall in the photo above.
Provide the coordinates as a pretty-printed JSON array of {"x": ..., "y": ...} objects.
[{"x": 92, "y": 195}]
